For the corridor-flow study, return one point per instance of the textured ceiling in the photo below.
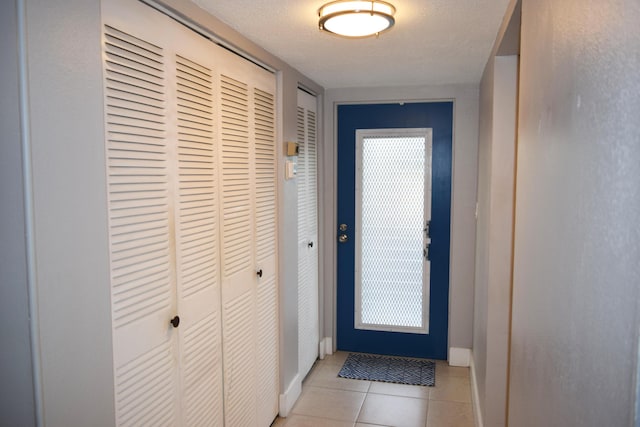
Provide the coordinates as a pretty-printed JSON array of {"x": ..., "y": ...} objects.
[{"x": 433, "y": 41}]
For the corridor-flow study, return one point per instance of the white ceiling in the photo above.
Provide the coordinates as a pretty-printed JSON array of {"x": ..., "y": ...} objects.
[{"x": 433, "y": 42}]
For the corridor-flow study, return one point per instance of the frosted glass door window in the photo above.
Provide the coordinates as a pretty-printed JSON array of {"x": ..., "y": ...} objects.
[{"x": 393, "y": 197}]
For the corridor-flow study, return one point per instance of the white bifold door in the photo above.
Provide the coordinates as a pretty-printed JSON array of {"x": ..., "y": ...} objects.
[
  {"x": 307, "y": 176},
  {"x": 191, "y": 172}
]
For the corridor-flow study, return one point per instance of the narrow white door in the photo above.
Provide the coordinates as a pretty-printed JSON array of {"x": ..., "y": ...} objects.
[{"x": 308, "y": 317}]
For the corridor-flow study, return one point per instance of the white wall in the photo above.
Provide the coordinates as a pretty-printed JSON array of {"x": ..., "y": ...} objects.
[
  {"x": 463, "y": 196},
  {"x": 494, "y": 233},
  {"x": 70, "y": 239},
  {"x": 577, "y": 240},
  {"x": 496, "y": 180},
  {"x": 17, "y": 405},
  {"x": 65, "y": 117}
]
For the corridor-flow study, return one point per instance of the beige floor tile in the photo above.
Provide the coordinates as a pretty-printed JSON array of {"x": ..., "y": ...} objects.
[
  {"x": 337, "y": 358},
  {"x": 305, "y": 421},
  {"x": 443, "y": 368},
  {"x": 449, "y": 414},
  {"x": 394, "y": 411},
  {"x": 326, "y": 376},
  {"x": 452, "y": 388},
  {"x": 279, "y": 422},
  {"x": 327, "y": 403},
  {"x": 330, "y": 401},
  {"x": 416, "y": 391}
]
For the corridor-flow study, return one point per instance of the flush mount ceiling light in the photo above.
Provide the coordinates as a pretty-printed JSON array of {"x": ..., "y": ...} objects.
[{"x": 356, "y": 18}]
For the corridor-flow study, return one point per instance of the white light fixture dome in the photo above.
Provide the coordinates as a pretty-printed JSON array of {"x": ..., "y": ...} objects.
[{"x": 356, "y": 18}]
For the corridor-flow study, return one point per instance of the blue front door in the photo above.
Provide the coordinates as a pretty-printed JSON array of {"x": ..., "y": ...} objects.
[{"x": 351, "y": 335}]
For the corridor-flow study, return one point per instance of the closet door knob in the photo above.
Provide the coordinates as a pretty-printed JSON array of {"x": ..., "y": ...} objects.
[
  {"x": 175, "y": 321},
  {"x": 259, "y": 273}
]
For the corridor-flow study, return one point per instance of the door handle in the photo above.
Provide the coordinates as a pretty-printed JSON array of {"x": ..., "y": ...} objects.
[
  {"x": 175, "y": 321},
  {"x": 343, "y": 238},
  {"x": 310, "y": 244},
  {"x": 426, "y": 252}
]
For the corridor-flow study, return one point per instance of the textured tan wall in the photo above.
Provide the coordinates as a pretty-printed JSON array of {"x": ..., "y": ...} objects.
[{"x": 577, "y": 239}]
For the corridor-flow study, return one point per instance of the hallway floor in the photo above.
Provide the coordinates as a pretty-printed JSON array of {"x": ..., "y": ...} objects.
[{"x": 329, "y": 401}]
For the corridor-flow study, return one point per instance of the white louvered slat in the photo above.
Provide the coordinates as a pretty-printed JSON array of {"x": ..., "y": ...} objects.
[
  {"x": 197, "y": 254},
  {"x": 239, "y": 361},
  {"x": 202, "y": 376},
  {"x": 308, "y": 323},
  {"x": 138, "y": 190},
  {"x": 139, "y": 228},
  {"x": 302, "y": 178},
  {"x": 197, "y": 206},
  {"x": 267, "y": 351},
  {"x": 236, "y": 181},
  {"x": 312, "y": 174},
  {"x": 265, "y": 173},
  {"x": 144, "y": 386}
]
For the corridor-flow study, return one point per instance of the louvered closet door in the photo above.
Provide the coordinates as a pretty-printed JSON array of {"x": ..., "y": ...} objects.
[
  {"x": 142, "y": 273},
  {"x": 249, "y": 282},
  {"x": 308, "y": 320},
  {"x": 197, "y": 234},
  {"x": 160, "y": 87},
  {"x": 265, "y": 240}
]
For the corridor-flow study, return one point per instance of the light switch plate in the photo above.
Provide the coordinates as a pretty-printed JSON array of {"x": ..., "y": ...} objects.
[{"x": 290, "y": 169}]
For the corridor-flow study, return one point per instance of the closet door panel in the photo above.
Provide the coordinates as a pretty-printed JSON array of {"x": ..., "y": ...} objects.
[
  {"x": 142, "y": 276},
  {"x": 197, "y": 224},
  {"x": 265, "y": 242},
  {"x": 238, "y": 265},
  {"x": 250, "y": 328}
]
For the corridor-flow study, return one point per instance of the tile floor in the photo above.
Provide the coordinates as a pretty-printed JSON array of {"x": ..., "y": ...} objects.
[{"x": 330, "y": 401}]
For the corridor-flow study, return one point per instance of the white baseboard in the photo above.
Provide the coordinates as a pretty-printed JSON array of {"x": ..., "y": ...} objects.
[
  {"x": 459, "y": 356},
  {"x": 289, "y": 397},
  {"x": 325, "y": 347},
  {"x": 475, "y": 395}
]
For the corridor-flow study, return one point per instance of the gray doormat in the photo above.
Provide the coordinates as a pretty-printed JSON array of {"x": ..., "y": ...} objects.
[{"x": 397, "y": 370}]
